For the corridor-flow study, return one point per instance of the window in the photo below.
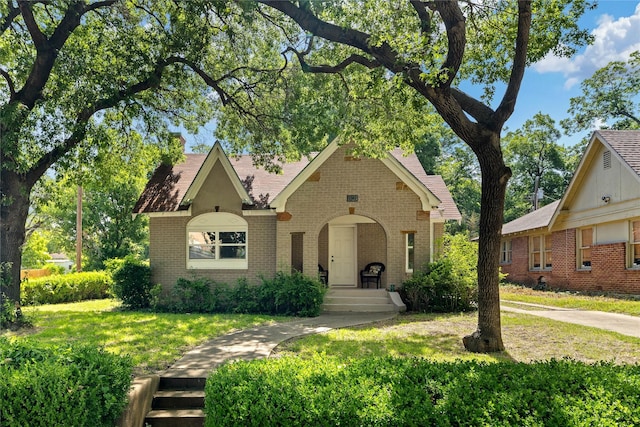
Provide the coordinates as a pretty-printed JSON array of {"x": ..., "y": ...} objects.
[
  {"x": 634, "y": 242},
  {"x": 409, "y": 252},
  {"x": 217, "y": 241},
  {"x": 505, "y": 252},
  {"x": 540, "y": 253},
  {"x": 585, "y": 241}
]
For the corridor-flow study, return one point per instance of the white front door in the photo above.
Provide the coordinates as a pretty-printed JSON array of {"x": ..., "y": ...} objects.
[{"x": 342, "y": 255}]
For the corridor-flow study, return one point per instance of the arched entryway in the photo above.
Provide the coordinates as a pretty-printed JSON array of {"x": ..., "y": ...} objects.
[{"x": 346, "y": 244}]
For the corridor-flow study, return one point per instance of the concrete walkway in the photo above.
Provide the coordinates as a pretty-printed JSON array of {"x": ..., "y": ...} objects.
[
  {"x": 621, "y": 323},
  {"x": 257, "y": 343}
]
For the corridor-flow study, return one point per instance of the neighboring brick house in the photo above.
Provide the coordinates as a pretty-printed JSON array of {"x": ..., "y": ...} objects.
[
  {"x": 589, "y": 240},
  {"x": 226, "y": 219}
]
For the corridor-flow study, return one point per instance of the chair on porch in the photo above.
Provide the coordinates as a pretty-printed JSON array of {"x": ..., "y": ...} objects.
[
  {"x": 323, "y": 274},
  {"x": 371, "y": 272}
]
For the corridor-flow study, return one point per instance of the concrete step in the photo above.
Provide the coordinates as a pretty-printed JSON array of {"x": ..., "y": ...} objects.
[
  {"x": 331, "y": 299},
  {"x": 361, "y": 308},
  {"x": 356, "y": 292},
  {"x": 178, "y": 399},
  {"x": 175, "y": 418},
  {"x": 182, "y": 383}
]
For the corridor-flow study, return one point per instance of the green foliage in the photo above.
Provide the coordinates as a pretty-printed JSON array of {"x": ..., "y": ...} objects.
[
  {"x": 72, "y": 385},
  {"x": 67, "y": 288},
  {"x": 409, "y": 391},
  {"x": 286, "y": 294},
  {"x": 34, "y": 251},
  {"x": 448, "y": 284},
  {"x": 132, "y": 283}
]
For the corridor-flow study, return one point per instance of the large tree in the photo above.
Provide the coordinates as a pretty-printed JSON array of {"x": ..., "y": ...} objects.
[
  {"x": 609, "y": 96},
  {"x": 74, "y": 72},
  {"x": 430, "y": 46}
]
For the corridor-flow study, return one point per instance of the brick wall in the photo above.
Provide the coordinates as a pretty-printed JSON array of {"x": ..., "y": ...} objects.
[
  {"x": 609, "y": 272},
  {"x": 318, "y": 201}
]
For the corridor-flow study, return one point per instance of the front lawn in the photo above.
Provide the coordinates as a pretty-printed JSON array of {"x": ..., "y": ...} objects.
[
  {"x": 153, "y": 340},
  {"x": 622, "y": 304}
]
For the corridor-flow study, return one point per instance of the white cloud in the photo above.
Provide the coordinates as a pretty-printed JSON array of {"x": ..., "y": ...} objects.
[{"x": 614, "y": 40}]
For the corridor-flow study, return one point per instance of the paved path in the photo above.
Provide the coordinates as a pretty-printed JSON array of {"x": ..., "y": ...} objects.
[
  {"x": 621, "y": 323},
  {"x": 257, "y": 343}
]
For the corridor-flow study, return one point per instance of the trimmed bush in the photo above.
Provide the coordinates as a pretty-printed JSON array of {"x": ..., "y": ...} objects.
[
  {"x": 65, "y": 386},
  {"x": 291, "y": 295},
  {"x": 132, "y": 283},
  {"x": 393, "y": 392},
  {"x": 66, "y": 288}
]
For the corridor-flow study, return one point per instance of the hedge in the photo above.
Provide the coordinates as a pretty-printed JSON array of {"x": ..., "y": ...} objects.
[
  {"x": 66, "y": 288},
  {"x": 418, "y": 392},
  {"x": 66, "y": 386}
]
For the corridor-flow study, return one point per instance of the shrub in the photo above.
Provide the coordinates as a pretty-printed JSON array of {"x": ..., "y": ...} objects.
[
  {"x": 449, "y": 284},
  {"x": 393, "y": 391},
  {"x": 66, "y": 288},
  {"x": 244, "y": 298},
  {"x": 76, "y": 385},
  {"x": 291, "y": 294},
  {"x": 132, "y": 283}
]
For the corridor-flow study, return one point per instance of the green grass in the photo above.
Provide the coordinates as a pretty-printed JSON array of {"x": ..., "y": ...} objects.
[
  {"x": 570, "y": 300},
  {"x": 439, "y": 337},
  {"x": 153, "y": 340}
]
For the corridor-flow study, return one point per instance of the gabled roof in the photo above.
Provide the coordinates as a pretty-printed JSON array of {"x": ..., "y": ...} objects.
[
  {"x": 171, "y": 187},
  {"x": 623, "y": 144},
  {"x": 538, "y": 219}
]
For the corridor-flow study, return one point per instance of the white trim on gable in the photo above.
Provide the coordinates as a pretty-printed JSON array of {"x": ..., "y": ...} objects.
[
  {"x": 428, "y": 200},
  {"x": 216, "y": 154},
  {"x": 592, "y": 149}
]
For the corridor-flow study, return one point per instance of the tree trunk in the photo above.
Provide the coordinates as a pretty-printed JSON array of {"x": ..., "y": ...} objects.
[
  {"x": 14, "y": 207},
  {"x": 488, "y": 337}
]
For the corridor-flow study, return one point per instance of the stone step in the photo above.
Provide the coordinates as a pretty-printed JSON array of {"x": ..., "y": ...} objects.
[
  {"x": 356, "y": 292},
  {"x": 178, "y": 399},
  {"x": 175, "y": 418}
]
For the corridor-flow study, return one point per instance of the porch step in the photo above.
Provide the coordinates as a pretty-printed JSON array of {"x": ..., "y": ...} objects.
[
  {"x": 178, "y": 402},
  {"x": 358, "y": 300}
]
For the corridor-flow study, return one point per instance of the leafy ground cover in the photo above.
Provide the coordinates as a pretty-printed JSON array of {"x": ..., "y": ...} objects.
[
  {"x": 614, "y": 304},
  {"x": 153, "y": 340}
]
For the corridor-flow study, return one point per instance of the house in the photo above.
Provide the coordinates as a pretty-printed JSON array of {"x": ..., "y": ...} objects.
[
  {"x": 224, "y": 219},
  {"x": 590, "y": 239}
]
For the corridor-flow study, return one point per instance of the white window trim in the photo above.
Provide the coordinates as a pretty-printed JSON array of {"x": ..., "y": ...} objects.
[
  {"x": 543, "y": 253},
  {"x": 406, "y": 252},
  {"x": 630, "y": 246},
  {"x": 579, "y": 248},
  {"x": 218, "y": 222},
  {"x": 506, "y": 248}
]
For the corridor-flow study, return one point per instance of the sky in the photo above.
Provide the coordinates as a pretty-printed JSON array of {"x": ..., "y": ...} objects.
[{"x": 549, "y": 84}]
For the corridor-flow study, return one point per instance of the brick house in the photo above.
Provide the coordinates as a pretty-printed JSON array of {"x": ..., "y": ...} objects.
[
  {"x": 226, "y": 219},
  {"x": 590, "y": 239}
]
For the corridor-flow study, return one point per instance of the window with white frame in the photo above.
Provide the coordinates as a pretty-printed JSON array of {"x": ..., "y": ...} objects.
[
  {"x": 217, "y": 240},
  {"x": 505, "y": 252},
  {"x": 585, "y": 242},
  {"x": 409, "y": 251},
  {"x": 634, "y": 243},
  {"x": 540, "y": 252}
]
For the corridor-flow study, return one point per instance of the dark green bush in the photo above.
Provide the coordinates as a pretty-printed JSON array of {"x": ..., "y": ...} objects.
[
  {"x": 286, "y": 294},
  {"x": 66, "y": 288},
  {"x": 64, "y": 386},
  {"x": 447, "y": 285},
  {"x": 132, "y": 283},
  {"x": 418, "y": 392}
]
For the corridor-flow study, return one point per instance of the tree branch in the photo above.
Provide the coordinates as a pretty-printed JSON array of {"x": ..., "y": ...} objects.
[
  {"x": 454, "y": 22},
  {"x": 7, "y": 20},
  {"x": 506, "y": 107},
  {"x": 7, "y": 77},
  {"x": 334, "y": 69},
  {"x": 423, "y": 15},
  {"x": 39, "y": 40}
]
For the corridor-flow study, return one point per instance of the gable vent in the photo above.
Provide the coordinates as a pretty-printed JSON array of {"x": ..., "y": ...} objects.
[{"x": 606, "y": 159}]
